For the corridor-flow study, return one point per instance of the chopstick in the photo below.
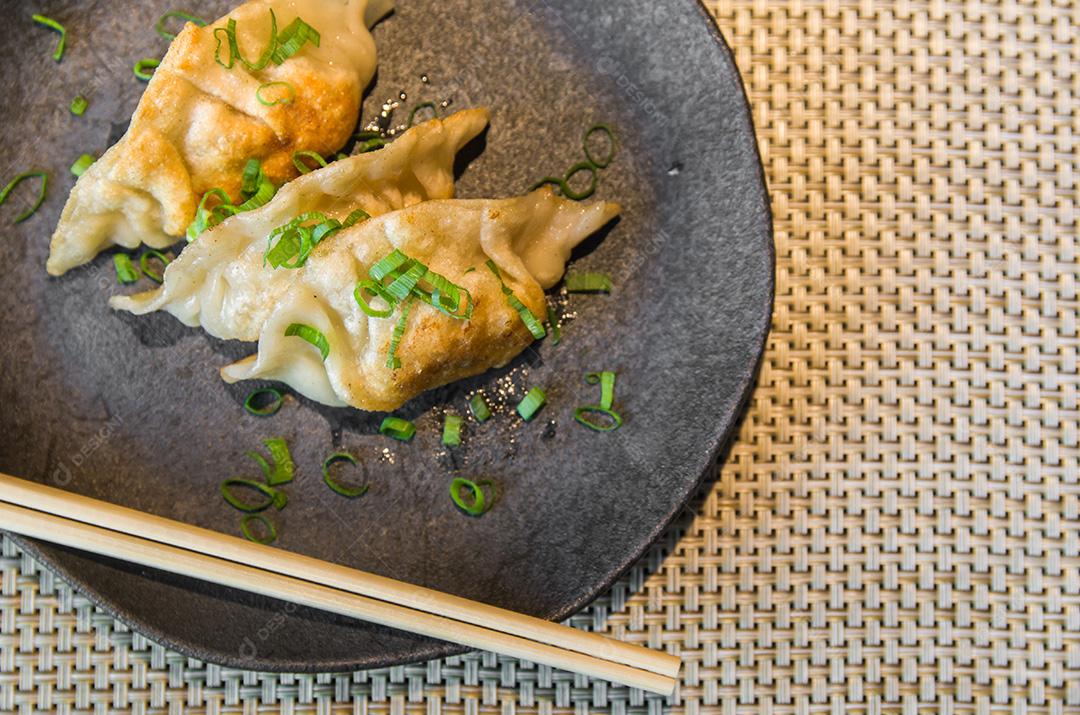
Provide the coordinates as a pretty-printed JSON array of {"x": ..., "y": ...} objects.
[{"x": 99, "y": 527}]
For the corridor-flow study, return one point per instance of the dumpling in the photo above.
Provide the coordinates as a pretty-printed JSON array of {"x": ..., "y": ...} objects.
[
  {"x": 527, "y": 241},
  {"x": 221, "y": 282},
  {"x": 199, "y": 123}
]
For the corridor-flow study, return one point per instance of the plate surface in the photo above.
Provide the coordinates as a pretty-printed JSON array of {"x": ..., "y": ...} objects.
[{"x": 131, "y": 409}]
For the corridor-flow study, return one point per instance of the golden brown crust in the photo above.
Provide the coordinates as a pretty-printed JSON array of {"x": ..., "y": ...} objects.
[{"x": 198, "y": 124}]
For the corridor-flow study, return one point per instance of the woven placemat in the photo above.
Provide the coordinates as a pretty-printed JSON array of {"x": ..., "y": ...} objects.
[{"x": 897, "y": 527}]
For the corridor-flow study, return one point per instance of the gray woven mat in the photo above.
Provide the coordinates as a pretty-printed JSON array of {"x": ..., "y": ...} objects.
[{"x": 897, "y": 527}]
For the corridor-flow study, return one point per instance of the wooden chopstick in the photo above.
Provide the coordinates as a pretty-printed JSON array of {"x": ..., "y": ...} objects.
[{"x": 61, "y": 517}]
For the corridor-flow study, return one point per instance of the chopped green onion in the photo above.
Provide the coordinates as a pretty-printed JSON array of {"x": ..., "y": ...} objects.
[
  {"x": 160, "y": 26},
  {"x": 397, "y": 428},
  {"x": 569, "y": 192},
  {"x": 553, "y": 322},
  {"x": 582, "y": 414},
  {"x": 79, "y": 105},
  {"x": 451, "y": 433},
  {"x": 395, "y": 260},
  {"x": 144, "y": 264},
  {"x": 141, "y": 67},
  {"x": 40, "y": 197},
  {"x": 205, "y": 218},
  {"x": 479, "y": 408},
  {"x": 371, "y": 145},
  {"x": 476, "y": 504},
  {"x": 234, "y": 48},
  {"x": 350, "y": 492},
  {"x": 564, "y": 183},
  {"x": 409, "y": 279},
  {"x": 82, "y": 164},
  {"x": 606, "y": 380},
  {"x": 292, "y": 39},
  {"x": 393, "y": 362},
  {"x": 245, "y": 528},
  {"x": 283, "y": 469},
  {"x": 290, "y": 94},
  {"x": 445, "y": 296},
  {"x": 535, "y": 326},
  {"x": 422, "y": 105},
  {"x": 274, "y": 497},
  {"x": 249, "y": 180},
  {"x": 54, "y": 25},
  {"x": 534, "y": 400},
  {"x": 125, "y": 270},
  {"x": 588, "y": 283},
  {"x": 255, "y": 398},
  {"x": 403, "y": 286},
  {"x": 301, "y": 165},
  {"x": 296, "y": 240},
  {"x": 355, "y": 217},
  {"x": 612, "y": 142},
  {"x": 257, "y": 188},
  {"x": 310, "y": 334},
  {"x": 279, "y": 48},
  {"x": 375, "y": 290}
]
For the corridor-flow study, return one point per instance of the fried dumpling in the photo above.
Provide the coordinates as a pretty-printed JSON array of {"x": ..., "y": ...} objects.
[
  {"x": 198, "y": 123},
  {"x": 527, "y": 241},
  {"x": 221, "y": 281}
]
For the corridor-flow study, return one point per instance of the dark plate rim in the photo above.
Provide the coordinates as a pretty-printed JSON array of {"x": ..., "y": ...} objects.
[{"x": 719, "y": 443}]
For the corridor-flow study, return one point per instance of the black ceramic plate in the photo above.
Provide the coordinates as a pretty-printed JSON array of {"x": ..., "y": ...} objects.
[{"x": 132, "y": 410}]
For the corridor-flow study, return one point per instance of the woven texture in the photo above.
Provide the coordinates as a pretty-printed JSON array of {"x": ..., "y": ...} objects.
[{"x": 897, "y": 527}]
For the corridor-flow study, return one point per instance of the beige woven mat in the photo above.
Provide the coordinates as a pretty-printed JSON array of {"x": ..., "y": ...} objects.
[{"x": 898, "y": 525}]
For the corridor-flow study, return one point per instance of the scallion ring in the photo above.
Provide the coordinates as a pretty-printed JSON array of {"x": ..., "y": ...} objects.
[
  {"x": 451, "y": 435},
  {"x": 249, "y": 534},
  {"x": 606, "y": 380},
  {"x": 531, "y": 404},
  {"x": 371, "y": 145},
  {"x": 186, "y": 17},
  {"x": 479, "y": 408},
  {"x": 393, "y": 362},
  {"x": 141, "y": 67},
  {"x": 375, "y": 290},
  {"x": 423, "y": 105},
  {"x": 83, "y": 163},
  {"x": 349, "y": 492},
  {"x": 553, "y": 323},
  {"x": 612, "y": 142},
  {"x": 6, "y": 191},
  {"x": 148, "y": 271},
  {"x": 476, "y": 504},
  {"x": 391, "y": 263},
  {"x": 569, "y": 191},
  {"x": 125, "y": 270},
  {"x": 536, "y": 328},
  {"x": 582, "y": 414},
  {"x": 52, "y": 24},
  {"x": 290, "y": 95},
  {"x": 256, "y": 405},
  {"x": 588, "y": 283},
  {"x": 292, "y": 39},
  {"x": 310, "y": 334},
  {"x": 234, "y": 48},
  {"x": 79, "y": 105},
  {"x": 399, "y": 429},
  {"x": 284, "y": 468},
  {"x": 273, "y": 497},
  {"x": 302, "y": 166}
]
